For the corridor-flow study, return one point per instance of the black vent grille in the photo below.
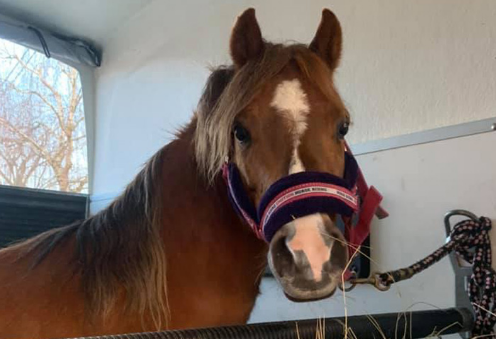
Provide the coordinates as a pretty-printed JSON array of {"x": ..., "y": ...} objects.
[{"x": 27, "y": 212}]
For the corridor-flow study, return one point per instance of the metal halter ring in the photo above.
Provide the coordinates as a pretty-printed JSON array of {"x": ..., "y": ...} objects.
[{"x": 352, "y": 285}]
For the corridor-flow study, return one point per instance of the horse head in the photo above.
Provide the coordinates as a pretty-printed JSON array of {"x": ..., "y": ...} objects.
[{"x": 280, "y": 119}]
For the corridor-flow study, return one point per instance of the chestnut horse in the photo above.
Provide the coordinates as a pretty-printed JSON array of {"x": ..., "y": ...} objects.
[{"x": 171, "y": 252}]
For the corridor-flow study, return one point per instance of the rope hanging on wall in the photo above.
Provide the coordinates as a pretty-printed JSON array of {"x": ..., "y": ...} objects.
[{"x": 470, "y": 240}]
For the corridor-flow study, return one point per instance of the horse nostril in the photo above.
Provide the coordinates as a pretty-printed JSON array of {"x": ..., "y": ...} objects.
[
  {"x": 282, "y": 257},
  {"x": 336, "y": 235},
  {"x": 339, "y": 254},
  {"x": 336, "y": 238}
]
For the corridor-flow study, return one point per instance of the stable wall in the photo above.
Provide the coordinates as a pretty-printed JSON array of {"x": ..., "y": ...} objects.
[{"x": 407, "y": 66}]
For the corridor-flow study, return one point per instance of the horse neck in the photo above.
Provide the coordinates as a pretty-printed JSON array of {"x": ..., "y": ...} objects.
[{"x": 203, "y": 236}]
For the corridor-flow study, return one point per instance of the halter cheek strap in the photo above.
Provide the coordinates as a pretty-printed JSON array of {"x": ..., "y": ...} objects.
[
  {"x": 370, "y": 205},
  {"x": 238, "y": 197}
]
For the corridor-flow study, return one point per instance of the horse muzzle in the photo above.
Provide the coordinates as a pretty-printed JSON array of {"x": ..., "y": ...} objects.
[{"x": 308, "y": 257}]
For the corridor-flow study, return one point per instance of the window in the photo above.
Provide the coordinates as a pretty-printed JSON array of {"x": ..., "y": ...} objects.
[{"x": 42, "y": 129}]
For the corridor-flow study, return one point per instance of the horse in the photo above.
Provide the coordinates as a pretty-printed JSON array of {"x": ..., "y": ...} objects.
[{"x": 173, "y": 251}]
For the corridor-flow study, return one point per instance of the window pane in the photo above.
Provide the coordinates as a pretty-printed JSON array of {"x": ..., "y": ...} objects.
[{"x": 42, "y": 130}]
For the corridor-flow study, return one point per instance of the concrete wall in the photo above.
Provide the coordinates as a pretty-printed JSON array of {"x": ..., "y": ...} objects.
[{"x": 407, "y": 66}]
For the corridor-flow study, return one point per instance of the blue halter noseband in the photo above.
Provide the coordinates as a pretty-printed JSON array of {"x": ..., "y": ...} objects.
[{"x": 295, "y": 196}]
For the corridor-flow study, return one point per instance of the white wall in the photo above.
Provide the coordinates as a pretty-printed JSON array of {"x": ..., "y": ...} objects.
[{"x": 407, "y": 66}]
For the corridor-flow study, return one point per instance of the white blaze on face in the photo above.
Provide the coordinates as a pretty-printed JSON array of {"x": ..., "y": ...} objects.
[
  {"x": 309, "y": 239},
  {"x": 291, "y": 101}
]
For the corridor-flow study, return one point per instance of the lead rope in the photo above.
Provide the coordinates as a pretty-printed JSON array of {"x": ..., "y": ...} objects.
[{"x": 465, "y": 235}]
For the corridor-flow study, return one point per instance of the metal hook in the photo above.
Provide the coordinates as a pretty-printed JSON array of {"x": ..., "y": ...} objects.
[
  {"x": 453, "y": 213},
  {"x": 373, "y": 280}
]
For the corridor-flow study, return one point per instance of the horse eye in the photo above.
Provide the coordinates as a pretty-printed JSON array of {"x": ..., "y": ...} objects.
[
  {"x": 343, "y": 129},
  {"x": 241, "y": 134}
]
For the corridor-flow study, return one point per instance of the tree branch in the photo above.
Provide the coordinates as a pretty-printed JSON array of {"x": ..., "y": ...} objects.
[
  {"x": 40, "y": 77},
  {"x": 48, "y": 103},
  {"x": 27, "y": 139},
  {"x": 80, "y": 185},
  {"x": 8, "y": 180}
]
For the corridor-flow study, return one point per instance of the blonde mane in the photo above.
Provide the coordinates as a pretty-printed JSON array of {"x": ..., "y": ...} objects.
[{"x": 120, "y": 248}]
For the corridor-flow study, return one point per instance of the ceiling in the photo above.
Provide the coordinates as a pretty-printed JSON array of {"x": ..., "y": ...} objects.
[{"x": 92, "y": 20}]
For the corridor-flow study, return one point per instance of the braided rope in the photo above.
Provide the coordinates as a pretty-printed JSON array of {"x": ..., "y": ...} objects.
[{"x": 466, "y": 235}]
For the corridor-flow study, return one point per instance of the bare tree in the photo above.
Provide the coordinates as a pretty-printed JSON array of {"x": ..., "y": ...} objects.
[
  {"x": 42, "y": 135},
  {"x": 19, "y": 163}
]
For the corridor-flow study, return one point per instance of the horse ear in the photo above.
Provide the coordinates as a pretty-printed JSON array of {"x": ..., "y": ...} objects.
[
  {"x": 328, "y": 40},
  {"x": 246, "y": 39}
]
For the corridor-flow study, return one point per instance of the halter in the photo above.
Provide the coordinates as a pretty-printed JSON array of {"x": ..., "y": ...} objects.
[{"x": 305, "y": 193}]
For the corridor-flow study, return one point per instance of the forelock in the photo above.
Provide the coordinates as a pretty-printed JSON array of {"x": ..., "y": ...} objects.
[{"x": 228, "y": 92}]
